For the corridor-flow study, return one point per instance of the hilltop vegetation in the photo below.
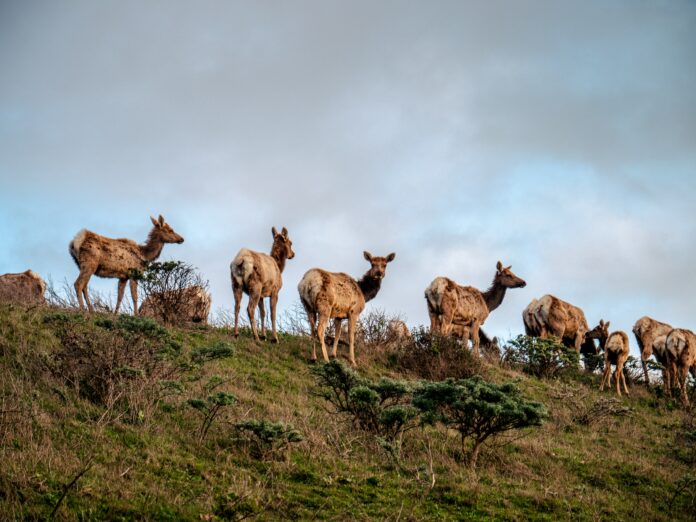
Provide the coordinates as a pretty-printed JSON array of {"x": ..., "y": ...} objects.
[{"x": 115, "y": 417}]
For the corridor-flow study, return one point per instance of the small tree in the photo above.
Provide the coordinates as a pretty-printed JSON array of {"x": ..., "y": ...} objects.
[
  {"x": 546, "y": 358},
  {"x": 477, "y": 409},
  {"x": 211, "y": 408}
]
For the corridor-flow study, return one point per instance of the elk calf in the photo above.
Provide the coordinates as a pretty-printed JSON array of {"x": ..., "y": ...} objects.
[
  {"x": 451, "y": 304},
  {"x": 25, "y": 288},
  {"x": 259, "y": 276},
  {"x": 117, "y": 258},
  {"x": 335, "y": 295},
  {"x": 616, "y": 351}
]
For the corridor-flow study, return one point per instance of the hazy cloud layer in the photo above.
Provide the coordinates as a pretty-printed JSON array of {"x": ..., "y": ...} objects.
[{"x": 559, "y": 137}]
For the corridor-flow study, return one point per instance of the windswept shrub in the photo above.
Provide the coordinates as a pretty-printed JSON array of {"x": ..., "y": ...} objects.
[
  {"x": 267, "y": 438},
  {"x": 219, "y": 350},
  {"x": 545, "y": 358},
  {"x": 382, "y": 408},
  {"x": 586, "y": 411},
  {"x": 211, "y": 408},
  {"x": 477, "y": 409},
  {"x": 118, "y": 363},
  {"x": 435, "y": 357},
  {"x": 174, "y": 292}
]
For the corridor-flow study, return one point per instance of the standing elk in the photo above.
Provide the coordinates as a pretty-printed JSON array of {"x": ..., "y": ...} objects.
[
  {"x": 553, "y": 317},
  {"x": 335, "y": 295},
  {"x": 259, "y": 276},
  {"x": 681, "y": 352},
  {"x": 651, "y": 336},
  {"x": 451, "y": 304},
  {"x": 188, "y": 305},
  {"x": 25, "y": 288},
  {"x": 117, "y": 258},
  {"x": 616, "y": 352}
]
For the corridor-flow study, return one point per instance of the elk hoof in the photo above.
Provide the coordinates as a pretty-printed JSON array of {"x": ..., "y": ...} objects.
[{"x": 274, "y": 340}]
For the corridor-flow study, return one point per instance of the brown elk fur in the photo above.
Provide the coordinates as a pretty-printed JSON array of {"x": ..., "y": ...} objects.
[
  {"x": 397, "y": 330},
  {"x": 616, "y": 352},
  {"x": 451, "y": 304},
  {"x": 117, "y": 258},
  {"x": 651, "y": 336},
  {"x": 553, "y": 317},
  {"x": 335, "y": 295},
  {"x": 25, "y": 288},
  {"x": 194, "y": 305},
  {"x": 681, "y": 350},
  {"x": 259, "y": 276}
]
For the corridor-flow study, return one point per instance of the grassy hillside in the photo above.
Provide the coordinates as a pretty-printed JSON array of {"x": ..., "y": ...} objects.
[{"x": 96, "y": 418}]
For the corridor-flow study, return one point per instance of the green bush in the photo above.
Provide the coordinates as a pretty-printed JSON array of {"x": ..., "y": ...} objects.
[
  {"x": 382, "y": 408},
  {"x": 545, "y": 358},
  {"x": 211, "y": 408},
  {"x": 477, "y": 409},
  {"x": 267, "y": 437}
]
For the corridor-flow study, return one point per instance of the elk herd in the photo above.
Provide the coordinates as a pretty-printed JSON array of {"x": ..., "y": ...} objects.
[{"x": 454, "y": 309}]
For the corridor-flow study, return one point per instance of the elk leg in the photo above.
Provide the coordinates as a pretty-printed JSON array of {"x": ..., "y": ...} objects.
[
  {"x": 262, "y": 317},
  {"x": 119, "y": 296},
  {"x": 237, "y": 290},
  {"x": 352, "y": 320},
  {"x": 475, "y": 338},
  {"x": 606, "y": 375},
  {"x": 321, "y": 331},
  {"x": 81, "y": 286},
  {"x": 134, "y": 294},
  {"x": 623, "y": 379},
  {"x": 446, "y": 321},
  {"x": 337, "y": 336},
  {"x": 274, "y": 304},
  {"x": 254, "y": 296},
  {"x": 683, "y": 376}
]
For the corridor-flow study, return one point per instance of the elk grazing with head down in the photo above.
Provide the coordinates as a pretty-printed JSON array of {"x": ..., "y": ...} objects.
[
  {"x": 335, "y": 295},
  {"x": 616, "y": 352},
  {"x": 651, "y": 336},
  {"x": 117, "y": 258},
  {"x": 681, "y": 353},
  {"x": 451, "y": 304},
  {"x": 25, "y": 288},
  {"x": 259, "y": 276},
  {"x": 553, "y": 317}
]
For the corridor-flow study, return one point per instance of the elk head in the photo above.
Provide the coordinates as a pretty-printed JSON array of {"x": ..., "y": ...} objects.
[
  {"x": 164, "y": 232},
  {"x": 378, "y": 264},
  {"x": 506, "y": 278},
  {"x": 282, "y": 244}
]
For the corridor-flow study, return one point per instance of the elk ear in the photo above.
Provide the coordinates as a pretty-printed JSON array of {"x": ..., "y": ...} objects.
[
  {"x": 284, "y": 232},
  {"x": 606, "y": 325},
  {"x": 509, "y": 268},
  {"x": 154, "y": 221},
  {"x": 274, "y": 232},
  {"x": 601, "y": 322},
  {"x": 391, "y": 257},
  {"x": 161, "y": 219},
  {"x": 368, "y": 256},
  {"x": 499, "y": 266}
]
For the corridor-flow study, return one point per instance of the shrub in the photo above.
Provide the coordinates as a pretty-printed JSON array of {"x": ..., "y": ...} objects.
[
  {"x": 587, "y": 412},
  {"x": 211, "y": 408},
  {"x": 477, "y": 409},
  {"x": 435, "y": 357},
  {"x": 381, "y": 407},
  {"x": 545, "y": 358},
  {"x": 167, "y": 288},
  {"x": 268, "y": 438},
  {"x": 115, "y": 363}
]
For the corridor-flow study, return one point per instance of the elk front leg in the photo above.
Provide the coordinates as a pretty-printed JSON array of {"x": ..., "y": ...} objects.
[
  {"x": 274, "y": 304},
  {"x": 119, "y": 295},
  {"x": 262, "y": 317},
  {"x": 475, "y": 338},
  {"x": 352, "y": 321},
  {"x": 134, "y": 295},
  {"x": 321, "y": 332}
]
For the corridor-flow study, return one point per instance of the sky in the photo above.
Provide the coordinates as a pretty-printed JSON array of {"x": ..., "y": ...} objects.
[{"x": 558, "y": 137}]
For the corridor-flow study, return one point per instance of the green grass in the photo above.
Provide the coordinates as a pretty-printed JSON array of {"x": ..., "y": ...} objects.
[{"x": 154, "y": 467}]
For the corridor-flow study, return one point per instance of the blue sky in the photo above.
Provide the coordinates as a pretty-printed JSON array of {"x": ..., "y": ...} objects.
[{"x": 559, "y": 137}]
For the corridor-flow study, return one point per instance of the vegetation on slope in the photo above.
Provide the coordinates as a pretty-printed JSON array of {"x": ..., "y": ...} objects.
[{"x": 105, "y": 417}]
